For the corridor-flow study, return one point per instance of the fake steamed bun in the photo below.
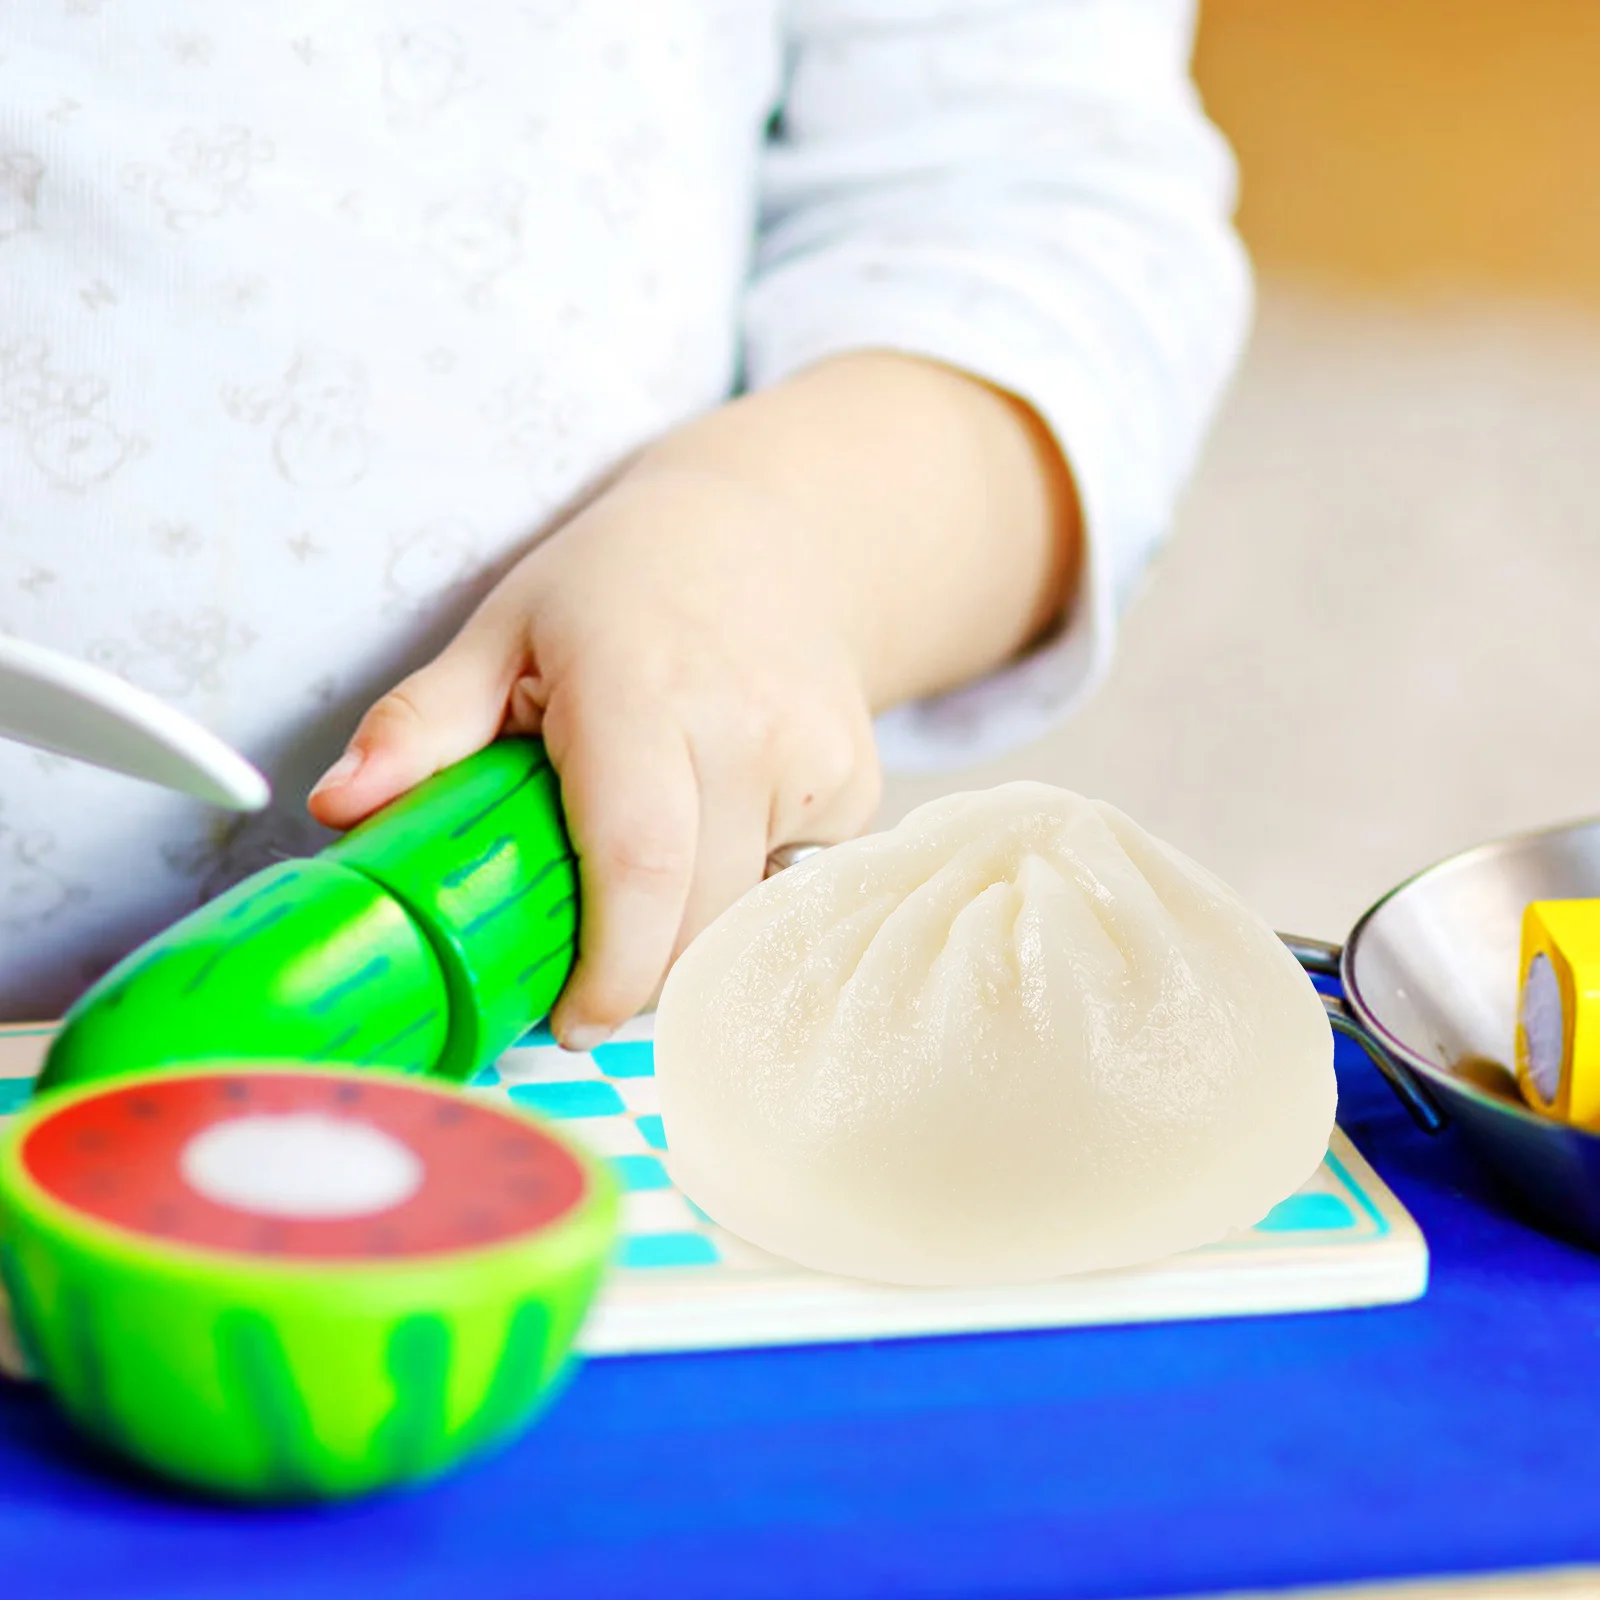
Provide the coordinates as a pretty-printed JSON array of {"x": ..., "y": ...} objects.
[{"x": 1014, "y": 1037}]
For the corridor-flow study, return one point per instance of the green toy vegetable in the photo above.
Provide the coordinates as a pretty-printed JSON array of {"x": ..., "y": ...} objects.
[
  {"x": 479, "y": 858},
  {"x": 427, "y": 939},
  {"x": 306, "y": 960}
]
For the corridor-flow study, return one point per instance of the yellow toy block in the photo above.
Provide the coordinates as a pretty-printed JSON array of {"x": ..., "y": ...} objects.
[{"x": 1558, "y": 1011}]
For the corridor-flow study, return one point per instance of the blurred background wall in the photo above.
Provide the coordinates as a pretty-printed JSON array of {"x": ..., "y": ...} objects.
[
  {"x": 1398, "y": 146},
  {"x": 1375, "y": 638}
]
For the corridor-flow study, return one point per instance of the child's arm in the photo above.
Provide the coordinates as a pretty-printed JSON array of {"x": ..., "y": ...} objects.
[
  {"x": 1029, "y": 191},
  {"x": 702, "y": 648}
]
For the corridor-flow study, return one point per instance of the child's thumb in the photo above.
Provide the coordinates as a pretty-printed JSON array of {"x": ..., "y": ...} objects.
[{"x": 441, "y": 714}]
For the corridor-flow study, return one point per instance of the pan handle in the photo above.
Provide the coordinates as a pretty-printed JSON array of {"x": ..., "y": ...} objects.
[{"x": 1321, "y": 958}]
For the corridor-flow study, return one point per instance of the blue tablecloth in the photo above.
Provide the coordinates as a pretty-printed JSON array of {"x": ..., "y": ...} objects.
[{"x": 1458, "y": 1434}]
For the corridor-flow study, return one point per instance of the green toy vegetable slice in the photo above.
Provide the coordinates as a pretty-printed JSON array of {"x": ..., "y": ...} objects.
[
  {"x": 276, "y": 1281},
  {"x": 305, "y": 960},
  {"x": 479, "y": 856}
]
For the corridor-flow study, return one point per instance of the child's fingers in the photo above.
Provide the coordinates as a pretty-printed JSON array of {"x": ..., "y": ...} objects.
[
  {"x": 829, "y": 789},
  {"x": 628, "y": 788},
  {"x": 439, "y": 715},
  {"x": 731, "y": 847},
  {"x": 839, "y": 789}
]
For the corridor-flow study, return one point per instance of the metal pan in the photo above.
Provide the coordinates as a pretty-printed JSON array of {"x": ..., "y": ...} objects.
[{"x": 1430, "y": 993}]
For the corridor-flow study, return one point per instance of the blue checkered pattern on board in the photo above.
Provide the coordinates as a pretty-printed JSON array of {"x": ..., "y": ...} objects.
[{"x": 607, "y": 1101}]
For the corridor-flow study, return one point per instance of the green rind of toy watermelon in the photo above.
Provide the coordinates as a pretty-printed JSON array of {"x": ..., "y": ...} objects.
[
  {"x": 304, "y": 960},
  {"x": 273, "y": 1381},
  {"x": 479, "y": 855}
]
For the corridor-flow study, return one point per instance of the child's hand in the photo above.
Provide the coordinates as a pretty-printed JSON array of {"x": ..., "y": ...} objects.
[
  {"x": 703, "y": 646},
  {"x": 680, "y": 647}
]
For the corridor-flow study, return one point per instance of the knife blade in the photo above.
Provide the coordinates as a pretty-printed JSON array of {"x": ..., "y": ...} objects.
[{"x": 56, "y": 702}]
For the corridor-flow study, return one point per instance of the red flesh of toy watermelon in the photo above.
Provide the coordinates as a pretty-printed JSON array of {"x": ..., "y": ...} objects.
[{"x": 420, "y": 1174}]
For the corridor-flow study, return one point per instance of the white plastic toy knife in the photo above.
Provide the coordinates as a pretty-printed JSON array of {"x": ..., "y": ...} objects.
[{"x": 55, "y": 702}]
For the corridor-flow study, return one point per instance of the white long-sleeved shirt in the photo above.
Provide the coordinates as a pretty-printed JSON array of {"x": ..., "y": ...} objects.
[{"x": 312, "y": 317}]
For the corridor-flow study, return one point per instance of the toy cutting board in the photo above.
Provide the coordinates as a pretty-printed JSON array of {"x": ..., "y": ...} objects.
[{"x": 682, "y": 1283}]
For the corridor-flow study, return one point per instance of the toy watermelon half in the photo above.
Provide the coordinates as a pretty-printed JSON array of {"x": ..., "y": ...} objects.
[{"x": 290, "y": 1282}]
